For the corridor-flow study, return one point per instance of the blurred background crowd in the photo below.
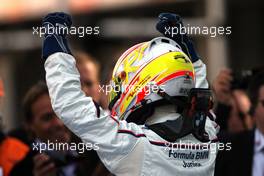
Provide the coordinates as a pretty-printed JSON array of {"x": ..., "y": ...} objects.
[{"x": 234, "y": 64}]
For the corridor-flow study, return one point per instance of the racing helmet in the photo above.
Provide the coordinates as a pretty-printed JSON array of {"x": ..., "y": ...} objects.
[{"x": 148, "y": 73}]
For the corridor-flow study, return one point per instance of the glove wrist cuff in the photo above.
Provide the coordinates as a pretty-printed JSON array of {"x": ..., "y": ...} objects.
[{"x": 54, "y": 43}]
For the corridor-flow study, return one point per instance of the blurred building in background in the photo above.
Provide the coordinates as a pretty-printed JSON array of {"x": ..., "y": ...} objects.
[{"x": 122, "y": 23}]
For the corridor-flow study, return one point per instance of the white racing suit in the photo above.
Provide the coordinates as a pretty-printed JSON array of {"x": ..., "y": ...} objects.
[{"x": 126, "y": 149}]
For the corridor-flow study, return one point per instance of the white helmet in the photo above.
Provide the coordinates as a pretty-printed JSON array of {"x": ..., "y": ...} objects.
[{"x": 149, "y": 73}]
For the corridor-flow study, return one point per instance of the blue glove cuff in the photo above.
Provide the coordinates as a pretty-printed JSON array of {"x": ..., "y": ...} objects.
[
  {"x": 54, "y": 43},
  {"x": 189, "y": 48}
]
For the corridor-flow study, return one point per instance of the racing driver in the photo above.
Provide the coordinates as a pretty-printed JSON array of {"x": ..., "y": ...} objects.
[{"x": 159, "y": 120}]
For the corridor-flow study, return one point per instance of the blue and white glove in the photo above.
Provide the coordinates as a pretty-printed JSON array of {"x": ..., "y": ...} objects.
[
  {"x": 56, "y": 27},
  {"x": 165, "y": 25}
]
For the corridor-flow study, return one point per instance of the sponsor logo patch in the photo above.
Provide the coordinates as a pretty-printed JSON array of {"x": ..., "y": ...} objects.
[{"x": 189, "y": 155}]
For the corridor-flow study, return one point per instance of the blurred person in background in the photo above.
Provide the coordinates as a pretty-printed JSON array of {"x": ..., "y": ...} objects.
[
  {"x": 246, "y": 158},
  {"x": 12, "y": 150},
  {"x": 44, "y": 127},
  {"x": 233, "y": 104},
  {"x": 89, "y": 70}
]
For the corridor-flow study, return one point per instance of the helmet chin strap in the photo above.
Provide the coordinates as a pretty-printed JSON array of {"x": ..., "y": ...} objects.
[{"x": 179, "y": 101}]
